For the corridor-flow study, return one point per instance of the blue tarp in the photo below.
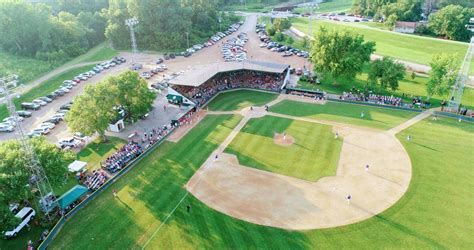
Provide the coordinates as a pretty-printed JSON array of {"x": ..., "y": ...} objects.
[{"x": 72, "y": 195}]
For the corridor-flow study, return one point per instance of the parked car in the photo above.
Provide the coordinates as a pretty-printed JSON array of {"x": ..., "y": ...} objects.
[
  {"x": 25, "y": 215},
  {"x": 23, "y": 113},
  {"x": 54, "y": 120},
  {"x": 160, "y": 60},
  {"x": 42, "y": 130},
  {"x": 69, "y": 143},
  {"x": 45, "y": 99},
  {"x": 66, "y": 106},
  {"x": 48, "y": 125},
  {"x": 12, "y": 119},
  {"x": 6, "y": 127},
  {"x": 29, "y": 105},
  {"x": 39, "y": 102}
]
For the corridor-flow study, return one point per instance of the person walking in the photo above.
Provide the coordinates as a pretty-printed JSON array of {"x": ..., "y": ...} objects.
[
  {"x": 114, "y": 192},
  {"x": 348, "y": 198},
  {"x": 336, "y": 136},
  {"x": 188, "y": 208}
]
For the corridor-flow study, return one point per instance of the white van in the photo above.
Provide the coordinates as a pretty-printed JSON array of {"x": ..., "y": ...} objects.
[{"x": 25, "y": 215}]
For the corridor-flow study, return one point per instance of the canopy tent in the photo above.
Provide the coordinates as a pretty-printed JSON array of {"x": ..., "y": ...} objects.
[
  {"x": 77, "y": 166},
  {"x": 72, "y": 195}
]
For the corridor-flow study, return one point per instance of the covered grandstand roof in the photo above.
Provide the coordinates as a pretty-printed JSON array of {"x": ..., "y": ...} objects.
[{"x": 199, "y": 74}]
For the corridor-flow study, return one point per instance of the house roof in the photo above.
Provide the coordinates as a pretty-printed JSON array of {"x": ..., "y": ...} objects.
[
  {"x": 201, "y": 73},
  {"x": 405, "y": 25}
]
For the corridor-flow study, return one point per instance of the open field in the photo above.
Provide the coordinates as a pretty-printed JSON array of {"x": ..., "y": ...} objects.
[
  {"x": 374, "y": 117},
  {"x": 45, "y": 88},
  {"x": 151, "y": 191},
  {"x": 313, "y": 155},
  {"x": 27, "y": 68},
  {"x": 101, "y": 52},
  {"x": 239, "y": 99},
  {"x": 408, "y": 88},
  {"x": 405, "y": 47},
  {"x": 330, "y": 6}
]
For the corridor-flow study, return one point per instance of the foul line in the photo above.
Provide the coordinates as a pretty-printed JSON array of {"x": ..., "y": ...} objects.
[{"x": 166, "y": 219}]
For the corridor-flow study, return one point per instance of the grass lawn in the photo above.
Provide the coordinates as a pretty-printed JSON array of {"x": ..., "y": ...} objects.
[
  {"x": 314, "y": 154},
  {"x": 374, "y": 117},
  {"x": 434, "y": 213},
  {"x": 405, "y": 47},
  {"x": 45, "y": 88},
  {"x": 97, "y": 151},
  {"x": 329, "y": 6},
  {"x": 27, "y": 68},
  {"x": 407, "y": 88},
  {"x": 239, "y": 99},
  {"x": 101, "y": 52}
]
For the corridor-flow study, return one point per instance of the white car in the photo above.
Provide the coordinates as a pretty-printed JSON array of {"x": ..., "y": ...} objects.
[
  {"x": 12, "y": 119},
  {"x": 69, "y": 143},
  {"x": 65, "y": 89},
  {"x": 25, "y": 215},
  {"x": 39, "y": 102},
  {"x": 68, "y": 82},
  {"x": 41, "y": 131},
  {"x": 58, "y": 116},
  {"x": 6, "y": 127},
  {"x": 47, "y": 125}
]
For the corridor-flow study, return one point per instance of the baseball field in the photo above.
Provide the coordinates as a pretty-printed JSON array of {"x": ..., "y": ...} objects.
[{"x": 154, "y": 209}]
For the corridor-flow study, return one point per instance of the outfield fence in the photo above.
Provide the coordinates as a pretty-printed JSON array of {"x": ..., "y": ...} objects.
[
  {"x": 454, "y": 115},
  {"x": 375, "y": 105},
  {"x": 109, "y": 182}
]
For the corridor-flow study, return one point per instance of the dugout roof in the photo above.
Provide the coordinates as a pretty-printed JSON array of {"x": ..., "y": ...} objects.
[{"x": 199, "y": 74}]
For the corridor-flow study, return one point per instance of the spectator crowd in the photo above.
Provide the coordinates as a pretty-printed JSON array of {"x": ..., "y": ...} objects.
[
  {"x": 231, "y": 80},
  {"x": 372, "y": 98},
  {"x": 122, "y": 157}
]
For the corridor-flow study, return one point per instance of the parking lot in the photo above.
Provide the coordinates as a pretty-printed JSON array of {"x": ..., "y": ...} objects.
[{"x": 178, "y": 65}]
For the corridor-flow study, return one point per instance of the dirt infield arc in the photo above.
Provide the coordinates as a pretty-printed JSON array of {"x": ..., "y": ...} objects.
[{"x": 275, "y": 200}]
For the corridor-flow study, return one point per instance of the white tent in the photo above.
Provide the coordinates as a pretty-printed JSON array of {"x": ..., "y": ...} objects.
[{"x": 77, "y": 166}]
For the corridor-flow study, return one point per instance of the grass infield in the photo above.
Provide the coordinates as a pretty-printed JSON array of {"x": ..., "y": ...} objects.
[
  {"x": 239, "y": 99},
  {"x": 374, "y": 117},
  {"x": 314, "y": 154},
  {"x": 434, "y": 213}
]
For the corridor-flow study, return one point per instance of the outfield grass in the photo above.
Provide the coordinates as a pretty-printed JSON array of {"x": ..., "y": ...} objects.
[
  {"x": 314, "y": 154},
  {"x": 434, "y": 213},
  {"x": 374, "y": 117},
  {"x": 405, "y": 47},
  {"x": 44, "y": 88},
  {"x": 239, "y": 99}
]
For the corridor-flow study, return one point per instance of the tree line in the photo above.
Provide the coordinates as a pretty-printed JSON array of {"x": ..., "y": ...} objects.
[
  {"x": 344, "y": 54},
  {"x": 449, "y": 21}
]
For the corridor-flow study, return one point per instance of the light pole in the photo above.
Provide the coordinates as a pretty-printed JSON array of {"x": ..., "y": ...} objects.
[
  {"x": 131, "y": 23},
  {"x": 220, "y": 22},
  {"x": 187, "y": 38},
  {"x": 312, "y": 6}
]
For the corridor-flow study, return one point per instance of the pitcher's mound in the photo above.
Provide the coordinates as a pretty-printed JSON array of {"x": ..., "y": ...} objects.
[{"x": 283, "y": 140}]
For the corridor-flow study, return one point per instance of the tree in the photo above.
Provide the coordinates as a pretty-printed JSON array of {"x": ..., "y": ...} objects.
[
  {"x": 271, "y": 31},
  {"x": 340, "y": 53},
  {"x": 442, "y": 75},
  {"x": 281, "y": 24},
  {"x": 131, "y": 93},
  {"x": 386, "y": 73},
  {"x": 290, "y": 40},
  {"x": 15, "y": 175},
  {"x": 413, "y": 75},
  {"x": 92, "y": 111},
  {"x": 451, "y": 22},
  {"x": 279, "y": 37},
  {"x": 306, "y": 42},
  {"x": 391, "y": 21}
]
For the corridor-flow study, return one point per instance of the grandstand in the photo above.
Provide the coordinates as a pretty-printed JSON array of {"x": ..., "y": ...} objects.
[{"x": 202, "y": 82}]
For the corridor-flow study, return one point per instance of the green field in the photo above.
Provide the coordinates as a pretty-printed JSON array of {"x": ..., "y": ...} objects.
[
  {"x": 101, "y": 52},
  {"x": 45, "y": 88},
  {"x": 434, "y": 213},
  {"x": 239, "y": 99},
  {"x": 27, "y": 68},
  {"x": 405, "y": 47},
  {"x": 408, "y": 88},
  {"x": 314, "y": 154},
  {"x": 329, "y": 6},
  {"x": 374, "y": 117}
]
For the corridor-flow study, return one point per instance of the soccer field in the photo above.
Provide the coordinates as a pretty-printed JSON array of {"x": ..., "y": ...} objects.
[
  {"x": 314, "y": 153},
  {"x": 434, "y": 213}
]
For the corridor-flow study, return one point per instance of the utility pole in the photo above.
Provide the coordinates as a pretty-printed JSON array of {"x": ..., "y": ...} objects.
[
  {"x": 38, "y": 181},
  {"x": 131, "y": 23},
  {"x": 311, "y": 6},
  {"x": 220, "y": 22},
  {"x": 187, "y": 38}
]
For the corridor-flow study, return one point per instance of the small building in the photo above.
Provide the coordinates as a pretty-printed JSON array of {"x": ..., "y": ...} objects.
[
  {"x": 117, "y": 124},
  {"x": 405, "y": 27}
]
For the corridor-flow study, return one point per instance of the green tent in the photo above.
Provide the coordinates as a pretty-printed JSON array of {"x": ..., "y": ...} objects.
[
  {"x": 71, "y": 196},
  {"x": 174, "y": 98}
]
